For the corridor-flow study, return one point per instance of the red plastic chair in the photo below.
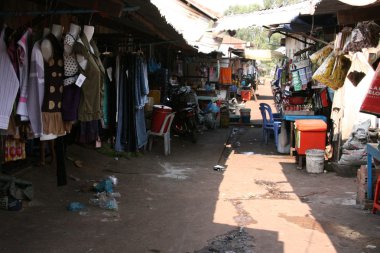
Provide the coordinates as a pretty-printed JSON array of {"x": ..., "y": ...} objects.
[
  {"x": 164, "y": 132},
  {"x": 376, "y": 204}
]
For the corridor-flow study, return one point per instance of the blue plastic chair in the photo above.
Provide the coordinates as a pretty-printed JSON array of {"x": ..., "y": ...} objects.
[{"x": 271, "y": 122}]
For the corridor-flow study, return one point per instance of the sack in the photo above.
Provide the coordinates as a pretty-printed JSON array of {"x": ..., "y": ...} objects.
[
  {"x": 365, "y": 35},
  {"x": 283, "y": 145},
  {"x": 319, "y": 57},
  {"x": 333, "y": 71},
  {"x": 353, "y": 157},
  {"x": 371, "y": 103}
]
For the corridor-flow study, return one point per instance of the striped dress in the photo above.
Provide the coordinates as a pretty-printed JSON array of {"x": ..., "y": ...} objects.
[
  {"x": 9, "y": 84},
  {"x": 23, "y": 64}
]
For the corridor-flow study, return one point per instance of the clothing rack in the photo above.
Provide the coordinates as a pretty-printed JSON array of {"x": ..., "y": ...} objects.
[{"x": 42, "y": 13}]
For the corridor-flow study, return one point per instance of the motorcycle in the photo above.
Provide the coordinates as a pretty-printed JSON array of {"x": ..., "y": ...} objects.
[{"x": 183, "y": 103}]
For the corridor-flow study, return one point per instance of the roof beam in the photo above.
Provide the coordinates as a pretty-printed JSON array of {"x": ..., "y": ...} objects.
[
  {"x": 353, "y": 16},
  {"x": 109, "y": 7}
]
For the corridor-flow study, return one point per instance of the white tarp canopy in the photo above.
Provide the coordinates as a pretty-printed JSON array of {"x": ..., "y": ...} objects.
[
  {"x": 261, "y": 54},
  {"x": 268, "y": 17}
]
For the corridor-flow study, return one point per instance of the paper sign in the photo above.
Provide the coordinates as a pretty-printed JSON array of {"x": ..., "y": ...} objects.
[
  {"x": 109, "y": 73},
  {"x": 80, "y": 80},
  {"x": 287, "y": 88}
]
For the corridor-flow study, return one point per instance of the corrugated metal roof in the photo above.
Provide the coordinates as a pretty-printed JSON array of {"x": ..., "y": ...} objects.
[
  {"x": 285, "y": 14},
  {"x": 185, "y": 20}
]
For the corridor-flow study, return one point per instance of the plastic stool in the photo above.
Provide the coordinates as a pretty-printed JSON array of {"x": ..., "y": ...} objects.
[{"x": 376, "y": 204}]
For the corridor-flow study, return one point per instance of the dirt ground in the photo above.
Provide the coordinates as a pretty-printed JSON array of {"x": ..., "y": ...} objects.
[{"x": 179, "y": 203}]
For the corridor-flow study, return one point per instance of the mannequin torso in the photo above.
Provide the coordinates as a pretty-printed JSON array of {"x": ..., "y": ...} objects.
[
  {"x": 46, "y": 47},
  {"x": 74, "y": 32},
  {"x": 88, "y": 31}
]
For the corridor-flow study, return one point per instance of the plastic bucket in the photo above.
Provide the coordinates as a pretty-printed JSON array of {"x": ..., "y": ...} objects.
[
  {"x": 245, "y": 115},
  {"x": 315, "y": 160},
  {"x": 158, "y": 117}
]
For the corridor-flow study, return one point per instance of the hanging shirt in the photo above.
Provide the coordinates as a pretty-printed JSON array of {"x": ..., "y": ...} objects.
[
  {"x": 52, "y": 103},
  {"x": 225, "y": 76},
  {"x": 36, "y": 89},
  {"x": 71, "y": 69},
  {"x": 23, "y": 65},
  {"x": 90, "y": 103},
  {"x": 142, "y": 86},
  {"x": 71, "y": 92},
  {"x": 9, "y": 84}
]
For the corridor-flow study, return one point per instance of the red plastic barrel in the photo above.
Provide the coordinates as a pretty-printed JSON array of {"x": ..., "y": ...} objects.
[{"x": 158, "y": 117}]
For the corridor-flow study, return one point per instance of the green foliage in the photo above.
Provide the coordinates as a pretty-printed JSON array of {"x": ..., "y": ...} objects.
[
  {"x": 240, "y": 9},
  {"x": 258, "y": 37},
  {"x": 268, "y": 4}
]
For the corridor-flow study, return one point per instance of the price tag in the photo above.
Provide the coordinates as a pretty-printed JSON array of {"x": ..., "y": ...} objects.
[
  {"x": 287, "y": 88},
  {"x": 109, "y": 73},
  {"x": 80, "y": 80}
]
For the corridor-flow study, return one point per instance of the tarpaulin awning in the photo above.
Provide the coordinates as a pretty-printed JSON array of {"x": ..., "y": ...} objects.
[{"x": 260, "y": 54}]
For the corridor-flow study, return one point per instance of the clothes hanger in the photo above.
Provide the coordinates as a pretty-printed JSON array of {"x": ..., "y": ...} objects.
[{"x": 107, "y": 52}]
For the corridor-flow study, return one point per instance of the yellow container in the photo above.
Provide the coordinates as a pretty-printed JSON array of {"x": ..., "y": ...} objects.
[{"x": 156, "y": 95}]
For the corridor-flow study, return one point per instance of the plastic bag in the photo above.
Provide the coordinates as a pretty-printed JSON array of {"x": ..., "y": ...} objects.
[
  {"x": 333, "y": 71},
  {"x": 318, "y": 57},
  {"x": 283, "y": 145},
  {"x": 371, "y": 103},
  {"x": 296, "y": 81},
  {"x": 365, "y": 35}
]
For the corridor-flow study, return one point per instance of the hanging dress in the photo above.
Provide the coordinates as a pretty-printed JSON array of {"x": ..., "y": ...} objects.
[
  {"x": 141, "y": 98},
  {"x": 23, "y": 64},
  {"x": 9, "y": 84},
  {"x": 36, "y": 89},
  {"x": 71, "y": 91},
  {"x": 52, "y": 104}
]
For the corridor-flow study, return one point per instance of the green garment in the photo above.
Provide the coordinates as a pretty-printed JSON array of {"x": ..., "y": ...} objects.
[{"x": 91, "y": 90}]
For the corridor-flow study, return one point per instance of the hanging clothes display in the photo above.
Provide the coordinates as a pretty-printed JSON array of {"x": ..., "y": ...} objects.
[
  {"x": 90, "y": 102},
  {"x": 51, "y": 107},
  {"x": 12, "y": 51},
  {"x": 71, "y": 92},
  {"x": 36, "y": 89},
  {"x": 109, "y": 94},
  {"x": 23, "y": 64},
  {"x": 132, "y": 96},
  {"x": 126, "y": 127},
  {"x": 9, "y": 84},
  {"x": 225, "y": 76},
  {"x": 141, "y": 98}
]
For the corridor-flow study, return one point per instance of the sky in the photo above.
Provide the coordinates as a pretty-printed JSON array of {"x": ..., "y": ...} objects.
[{"x": 222, "y": 5}]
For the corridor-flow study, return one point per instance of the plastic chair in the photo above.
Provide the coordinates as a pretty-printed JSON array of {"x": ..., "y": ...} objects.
[
  {"x": 164, "y": 132},
  {"x": 376, "y": 204},
  {"x": 271, "y": 122}
]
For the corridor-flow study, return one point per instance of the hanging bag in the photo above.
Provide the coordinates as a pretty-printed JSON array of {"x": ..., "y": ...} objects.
[{"x": 371, "y": 103}]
